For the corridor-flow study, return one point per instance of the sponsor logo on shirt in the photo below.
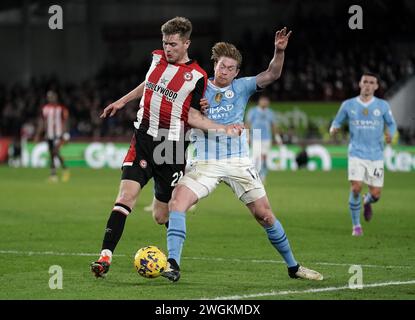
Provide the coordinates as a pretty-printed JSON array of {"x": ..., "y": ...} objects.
[
  {"x": 220, "y": 111},
  {"x": 365, "y": 124},
  {"x": 170, "y": 95}
]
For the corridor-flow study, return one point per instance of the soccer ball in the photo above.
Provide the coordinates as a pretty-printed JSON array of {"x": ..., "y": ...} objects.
[{"x": 150, "y": 262}]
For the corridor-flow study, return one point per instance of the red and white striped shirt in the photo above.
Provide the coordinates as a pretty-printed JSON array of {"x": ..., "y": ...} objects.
[
  {"x": 170, "y": 90},
  {"x": 54, "y": 116}
]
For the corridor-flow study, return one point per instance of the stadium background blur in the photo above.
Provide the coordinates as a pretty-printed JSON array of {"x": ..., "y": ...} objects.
[{"x": 104, "y": 50}]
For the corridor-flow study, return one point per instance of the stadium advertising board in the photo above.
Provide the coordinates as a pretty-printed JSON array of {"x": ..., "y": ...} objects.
[{"x": 110, "y": 155}]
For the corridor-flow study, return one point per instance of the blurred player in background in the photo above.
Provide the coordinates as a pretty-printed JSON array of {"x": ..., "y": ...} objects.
[
  {"x": 261, "y": 121},
  {"x": 366, "y": 116},
  {"x": 53, "y": 123},
  {"x": 221, "y": 158},
  {"x": 170, "y": 104}
]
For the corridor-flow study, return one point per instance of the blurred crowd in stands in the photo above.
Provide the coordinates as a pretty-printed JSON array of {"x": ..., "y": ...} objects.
[{"x": 323, "y": 63}]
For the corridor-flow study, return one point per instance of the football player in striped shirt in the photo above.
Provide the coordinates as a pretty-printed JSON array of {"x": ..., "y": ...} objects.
[
  {"x": 169, "y": 106},
  {"x": 53, "y": 122}
]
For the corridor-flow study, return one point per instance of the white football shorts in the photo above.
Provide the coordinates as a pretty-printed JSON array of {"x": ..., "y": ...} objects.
[
  {"x": 368, "y": 171},
  {"x": 204, "y": 176}
]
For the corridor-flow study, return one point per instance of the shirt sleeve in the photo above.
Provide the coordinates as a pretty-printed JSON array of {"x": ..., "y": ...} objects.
[
  {"x": 340, "y": 117},
  {"x": 198, "y": 93},
  {"x": 249, "y": 85},
  {"x": 389, "y": 120}
]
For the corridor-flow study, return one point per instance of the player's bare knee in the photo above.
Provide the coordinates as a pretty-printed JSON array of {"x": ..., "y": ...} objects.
[
  {"x": 127, "y": 198},
  {"x": 160, "y": 216},
  {"x": 356, "y": 189},
  {"x": 268, "y": 220},
  {"x": 264, "y": 215}
]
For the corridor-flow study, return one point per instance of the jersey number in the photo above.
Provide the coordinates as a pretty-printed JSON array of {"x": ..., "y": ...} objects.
[
  {"x": 176, "y": 177},
  {"x": 378, "y": 172},
  {"x": 253, "y": 173}
]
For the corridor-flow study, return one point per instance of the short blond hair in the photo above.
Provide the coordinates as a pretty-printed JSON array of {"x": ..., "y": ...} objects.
[
  {"x": 225, "y": 49},
  {"x": 178, "y": 25}
]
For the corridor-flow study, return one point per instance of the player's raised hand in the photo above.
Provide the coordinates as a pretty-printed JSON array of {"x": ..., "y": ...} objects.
[
  {"x": 204, "y": 105},
  {"x": 112, "y": 109},
  {"x": 281, "y": 39},
  {"x": 234, "y": 129}
]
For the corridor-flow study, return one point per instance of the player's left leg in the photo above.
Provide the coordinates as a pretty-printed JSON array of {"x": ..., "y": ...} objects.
[
  {"x": 57, "y": 154},
  {"x": 371, "y": 197},
  {"x": 374, "y": 179},
  {"x": 261, "y": 210},
  {"x": 53, "y": 177}
]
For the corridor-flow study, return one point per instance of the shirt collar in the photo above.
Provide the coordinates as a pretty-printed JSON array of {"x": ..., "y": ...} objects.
[{"x": 365, "y": 103}]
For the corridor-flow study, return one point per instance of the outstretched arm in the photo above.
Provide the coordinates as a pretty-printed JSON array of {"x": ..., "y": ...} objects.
[
  {"x": 338, "y": 120},
  {"x": 120, "y": 103},
  {"x": 275, "y": 67},
  {"x": 197, "y": 120}
]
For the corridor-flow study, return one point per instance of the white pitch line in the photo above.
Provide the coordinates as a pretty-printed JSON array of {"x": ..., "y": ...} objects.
[
  {"x": 327, "y": 289},
  {"x": 282, "y": 262},
  {"x": 53, "y": 253}
]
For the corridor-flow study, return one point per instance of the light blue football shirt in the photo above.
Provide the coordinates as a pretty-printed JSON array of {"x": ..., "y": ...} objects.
[
  {"x": 366, "y": 125},
  {"x": 262, "y": 119},
  {"x": 226, "y": 106}
]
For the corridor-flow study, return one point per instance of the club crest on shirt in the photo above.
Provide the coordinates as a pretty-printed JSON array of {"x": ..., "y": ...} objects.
[
  {"x": 376, "y": 112},
  {"x": 365, "y": 111},
  {"x": 229, "y": 94},
  {"x": 188, "y": 76},
  {"x": 218, "y": 97},
  {"x": 143, "y": 163}
]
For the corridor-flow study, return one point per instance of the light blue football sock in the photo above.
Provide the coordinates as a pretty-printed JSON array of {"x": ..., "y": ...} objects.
[
  {"x": 369, "y": 198},
  {"x": 354, "y": 206},
  {"x": 276, "y": 235},
  {"x": 176, "y": 234}
]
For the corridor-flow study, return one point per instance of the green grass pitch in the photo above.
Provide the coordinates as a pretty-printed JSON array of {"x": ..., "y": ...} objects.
[{"x": 226, "y": 253}]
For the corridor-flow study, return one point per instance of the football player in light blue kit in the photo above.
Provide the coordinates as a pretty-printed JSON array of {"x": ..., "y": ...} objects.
[
  {"x": 219, "y": 158},
  {"x": 263, "y": 120},
  {"x": 367, "y": 117}
]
